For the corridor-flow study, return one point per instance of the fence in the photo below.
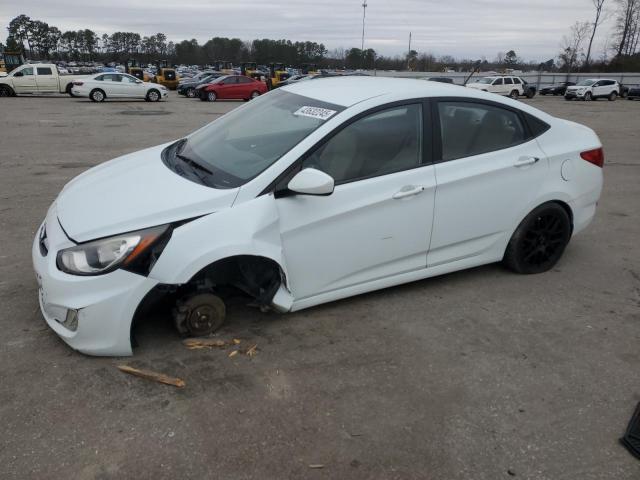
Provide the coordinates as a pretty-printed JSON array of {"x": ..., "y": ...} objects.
[{"x": 539, "y": 79}]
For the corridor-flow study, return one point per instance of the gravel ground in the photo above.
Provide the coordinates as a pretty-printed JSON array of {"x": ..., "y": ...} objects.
[{"x": 481, "y": 374}]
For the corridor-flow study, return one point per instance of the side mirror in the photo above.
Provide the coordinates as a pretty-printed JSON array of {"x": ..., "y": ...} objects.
[
  {"x": 18, "y": 74},
  {"x": 311, "y": 182}
]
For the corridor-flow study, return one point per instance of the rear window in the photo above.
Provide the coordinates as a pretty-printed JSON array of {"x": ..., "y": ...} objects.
[{"x": 44, "y": 71}]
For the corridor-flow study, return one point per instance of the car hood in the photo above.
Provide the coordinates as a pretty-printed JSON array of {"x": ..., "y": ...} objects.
[
  {"x": 575, "y": 87},
  {"x": 133, "y": 192}
]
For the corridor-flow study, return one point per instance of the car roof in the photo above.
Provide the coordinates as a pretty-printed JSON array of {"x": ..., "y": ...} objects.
[{"x": 349, "y": 90}]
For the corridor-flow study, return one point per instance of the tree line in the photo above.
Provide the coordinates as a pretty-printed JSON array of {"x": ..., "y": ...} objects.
[{"x": 39, "y": 40}]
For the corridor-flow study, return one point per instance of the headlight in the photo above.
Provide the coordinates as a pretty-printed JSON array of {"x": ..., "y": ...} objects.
[{"x": 105, "y": 255}]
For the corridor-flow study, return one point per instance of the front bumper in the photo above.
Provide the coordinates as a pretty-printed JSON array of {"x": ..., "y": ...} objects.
[
  {"x": 105, "y": 304},
  {"x": 572, "y": 94}
]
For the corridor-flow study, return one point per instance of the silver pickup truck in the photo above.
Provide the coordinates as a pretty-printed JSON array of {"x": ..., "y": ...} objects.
[{"x": 36, "y": 78}]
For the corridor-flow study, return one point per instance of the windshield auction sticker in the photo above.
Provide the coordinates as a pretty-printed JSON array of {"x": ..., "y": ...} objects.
[{"x": 315, "y": 112}]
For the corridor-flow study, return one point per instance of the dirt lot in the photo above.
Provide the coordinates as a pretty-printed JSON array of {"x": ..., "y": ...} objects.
[{"x": 481, "y": 374}]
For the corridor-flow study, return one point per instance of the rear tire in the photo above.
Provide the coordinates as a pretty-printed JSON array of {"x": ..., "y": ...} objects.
[
  {"x": 612, "y": 97},
  {"x": 539, "y": 241},
  {"x": 97, "y": 95},
  {"x": 514, "y": 94}
]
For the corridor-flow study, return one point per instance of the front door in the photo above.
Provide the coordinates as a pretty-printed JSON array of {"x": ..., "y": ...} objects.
[
  {"x": 377, "y": 222},
  {"x": 24, "y": 80},
  {"x": 489, "y": 173}
]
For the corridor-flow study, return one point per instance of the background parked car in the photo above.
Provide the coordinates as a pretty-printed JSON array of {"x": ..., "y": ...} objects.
[
  {"x": 556, "y": 88},
  {"x": 592, "y": 89},
  {"x": 117, "y": 85},
  {"x": 189, "y": 88},
  {"x": 35, "y": 78},
  {"x": 634, "y": 92},
  {"x": 232, "y": 87},
  {"x": 502, "y": 85}
]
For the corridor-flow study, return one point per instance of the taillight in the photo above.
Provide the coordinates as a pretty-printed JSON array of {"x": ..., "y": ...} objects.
[
  {"x": 595, "y": 156},
  {"x": 78, "y": 84}
]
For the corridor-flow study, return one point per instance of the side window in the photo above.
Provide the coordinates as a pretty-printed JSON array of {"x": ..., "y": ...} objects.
[
  {"x": 469, "y": 129},
  {"x": 244, "y": 80},
  {"x": 508, "y": 81},
  {"x": 597, "y": 84},
  {"x": 99, "y": 78},
  {"x": 44, "y": 71},
  {"x": 516, "y": 80},
  {"x": 128, "y": 79},
  {"x": 27, "y": 71},
  {"x": 383, "y": 142},
  {"x": 498, "y": 81},
  {"x": 112, "y": 77}
]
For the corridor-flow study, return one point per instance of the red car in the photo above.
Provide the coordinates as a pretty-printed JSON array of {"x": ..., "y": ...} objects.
[{"x": 232, "y": 87}]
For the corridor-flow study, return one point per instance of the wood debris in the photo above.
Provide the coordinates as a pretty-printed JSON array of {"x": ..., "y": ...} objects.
[
  {"x": 252, "y": 351},
  {"x": 233, "y": 354},
  {"x": 316, "y": 465},
  {"x": 151, "y": 375},
  {"x": 198, "y": 343}
]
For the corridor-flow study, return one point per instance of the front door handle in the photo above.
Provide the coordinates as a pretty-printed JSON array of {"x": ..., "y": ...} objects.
[
  {"x": 524, "y": 161},
  {"x": 408, "y": 191}
]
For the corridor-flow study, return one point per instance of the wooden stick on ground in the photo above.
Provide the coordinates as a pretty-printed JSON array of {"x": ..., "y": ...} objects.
[{"x": 151, "y": 375}]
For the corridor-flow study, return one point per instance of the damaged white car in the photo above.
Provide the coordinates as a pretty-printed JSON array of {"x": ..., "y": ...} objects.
[{"x": 311, "y": 193}]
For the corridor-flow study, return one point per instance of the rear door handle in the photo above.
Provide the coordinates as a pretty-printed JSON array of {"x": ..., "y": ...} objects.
[
  {"x": 524, "y": 161},
  {"x": 408, "y": 191}
]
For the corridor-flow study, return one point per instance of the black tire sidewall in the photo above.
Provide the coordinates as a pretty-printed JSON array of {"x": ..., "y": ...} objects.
[{"x": 513, "y": 257}]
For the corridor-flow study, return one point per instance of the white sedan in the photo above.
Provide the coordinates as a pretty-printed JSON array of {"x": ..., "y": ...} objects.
[
  {"x": 117, "y": 85},
  {"x": 312, "y": 193}
]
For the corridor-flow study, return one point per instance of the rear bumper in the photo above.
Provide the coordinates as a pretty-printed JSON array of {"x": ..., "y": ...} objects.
[{"x": 104, "y": 304}]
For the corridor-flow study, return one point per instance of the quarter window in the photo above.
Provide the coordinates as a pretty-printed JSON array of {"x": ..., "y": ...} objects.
[
  {"x": 244, "y": 80},
  {"x": 383, "y": 142},
  {"x": 44, "y": 71},
  {"x": 469, "y": 129}
]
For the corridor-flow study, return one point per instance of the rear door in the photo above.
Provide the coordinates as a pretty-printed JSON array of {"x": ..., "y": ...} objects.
[
  {"x": 244, "y": 88},
  {"x": 509, "y": 86},
  {"x": 489, "y": 171},
  {"x": 46, "y": 80}
]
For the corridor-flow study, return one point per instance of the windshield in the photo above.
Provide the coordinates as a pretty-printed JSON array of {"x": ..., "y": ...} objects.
[
  {"x": 240, "y": 145},
  {"x": 585, "y": 83},
  {"x": 486, "y": 80}
]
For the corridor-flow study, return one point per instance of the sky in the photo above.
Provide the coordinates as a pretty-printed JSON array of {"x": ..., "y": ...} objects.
[{"x": 461, "y": 28}]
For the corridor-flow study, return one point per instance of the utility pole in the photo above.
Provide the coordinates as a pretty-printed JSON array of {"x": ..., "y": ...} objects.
[
  {"x": 364, "y": 14},
  {"x": 409, "y": 54}
]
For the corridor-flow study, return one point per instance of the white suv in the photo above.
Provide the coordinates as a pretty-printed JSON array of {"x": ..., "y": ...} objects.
[
  {"x": 502, "y": 85},
  {"x": 592, "y": 89}
]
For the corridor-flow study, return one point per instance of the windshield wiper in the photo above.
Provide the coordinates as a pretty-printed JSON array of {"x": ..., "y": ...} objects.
[{"x": 193, "y": 163}]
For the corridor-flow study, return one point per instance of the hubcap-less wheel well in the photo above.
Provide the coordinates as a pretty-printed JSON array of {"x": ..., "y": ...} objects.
[{"x": 257, "y": 277}]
